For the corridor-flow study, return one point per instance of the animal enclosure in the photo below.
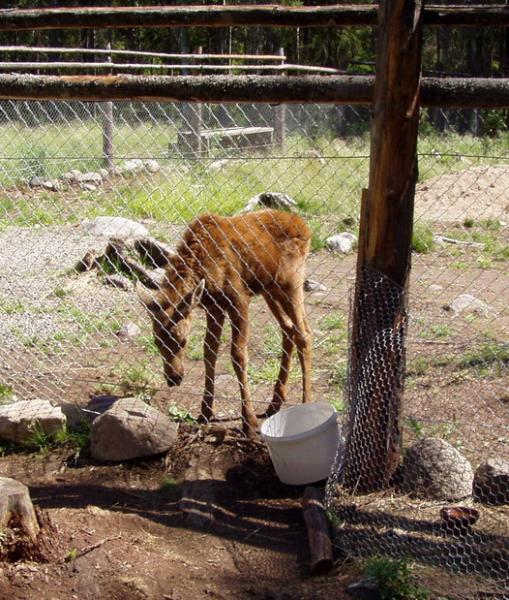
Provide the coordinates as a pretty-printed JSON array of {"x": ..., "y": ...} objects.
[{"x": 74, "y": 329}]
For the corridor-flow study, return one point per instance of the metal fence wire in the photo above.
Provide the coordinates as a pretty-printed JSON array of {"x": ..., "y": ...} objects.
[{"x": 95, "y": 198}]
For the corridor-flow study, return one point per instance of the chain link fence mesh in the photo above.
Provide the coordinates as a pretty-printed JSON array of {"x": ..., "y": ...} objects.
[{"x": 73, "y": 329}]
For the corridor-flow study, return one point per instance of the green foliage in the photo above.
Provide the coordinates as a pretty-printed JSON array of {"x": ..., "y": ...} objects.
[
  {"x": 422, "y": 239},
  {"x": 394, "y": 579},
  {"x": 75, "y": 438},
  {"x": 180, "y": 415},
  {"x": 72, "y": 555},
  {"x": 416, "y": 426},
  {"x": 170, "y": 488},
  {"x": 6, "y": 393}
]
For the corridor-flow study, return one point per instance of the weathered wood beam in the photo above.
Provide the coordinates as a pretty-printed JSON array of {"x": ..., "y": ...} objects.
[
  {"x": 223, "y": 16},
  {"x": 373, "y": 446},
  {"x": 342, "y": 89}
]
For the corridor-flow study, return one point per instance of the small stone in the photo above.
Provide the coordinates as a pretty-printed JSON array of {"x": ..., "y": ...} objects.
[
  {"x": 104, "y": 173},
  {"x": 270, "y": 200},
  {"x": 134, "y": 165},
  {"x": 90, "y": 177},
  {"x": 342, "y": 242},
  {"x": 118, "y": 281},
  {"x": 218, "y": 165},
  {"x": 314, "y": 286},
  {"x": 119, "y": 227},
  {"x": 434, "y": 469},
  {"x": 364, "y": 589},
  {"x": 72, "y": 176},
  {"x": 131, "y": 429},
  {"x": 52, "y": 184},
  {"x": 36, "y": 181},
  {"x": 129, "y": 331},
  {"x": 491, "y": 482},
  {"x": 468, "y": 303},
  {"x": 18, "y": 420},
  {"x": 152, "y": 166},
  {"x": 435, "y": 288},
  {"x": 89, "y": 187}
]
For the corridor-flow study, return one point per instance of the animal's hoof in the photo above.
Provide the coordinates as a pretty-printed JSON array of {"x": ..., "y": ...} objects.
[{"x": 271, "y": 410}]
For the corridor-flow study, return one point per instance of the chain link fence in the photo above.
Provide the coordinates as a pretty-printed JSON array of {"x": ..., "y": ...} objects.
[{"x": 73, "y": 328}]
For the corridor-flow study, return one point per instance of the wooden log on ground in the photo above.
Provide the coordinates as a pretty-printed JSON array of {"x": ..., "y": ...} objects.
[
  {"x": 16, "y": 509},
  {"x": 320, "y": 545}
]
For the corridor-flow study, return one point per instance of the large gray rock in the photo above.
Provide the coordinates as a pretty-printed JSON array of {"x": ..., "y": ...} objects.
[
  {"x": 491, "y": 482},
  {"x": 19, "y": 419},
  {"x": 119, "y": 227},
  {"x": 131, "y": 429},
  {"x": 434, "y": 469}
]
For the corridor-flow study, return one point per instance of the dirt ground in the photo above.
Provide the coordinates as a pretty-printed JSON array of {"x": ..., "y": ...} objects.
[{"x": 228, "y": 528}]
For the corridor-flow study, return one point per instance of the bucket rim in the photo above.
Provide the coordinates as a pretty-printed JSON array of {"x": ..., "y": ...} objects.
[{"x": 303, "y": 434}]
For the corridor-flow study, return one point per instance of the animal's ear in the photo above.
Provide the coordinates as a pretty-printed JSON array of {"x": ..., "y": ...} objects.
[
  {"x": 191, "y": 299},
  {"x": 147, "y": 297}
]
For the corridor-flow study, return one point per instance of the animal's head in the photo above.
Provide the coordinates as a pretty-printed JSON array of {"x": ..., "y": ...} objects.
[{"x": 170, "y": 309}]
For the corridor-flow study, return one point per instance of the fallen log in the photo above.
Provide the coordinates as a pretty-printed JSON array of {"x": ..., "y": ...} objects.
[{"x": 320, "y": 545}]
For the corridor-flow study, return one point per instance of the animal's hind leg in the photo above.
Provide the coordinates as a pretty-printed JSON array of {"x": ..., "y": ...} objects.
[
  {"x": 215, "y": 322},
  {"x": 238, "y": 313},
  {"x": 292, "y": 301},
  {"x": 286, "y": 324}
]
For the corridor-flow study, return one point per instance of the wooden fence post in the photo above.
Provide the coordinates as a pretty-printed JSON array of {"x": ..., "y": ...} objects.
[
  {"x": 373, "y": 446},
  {"x": 196, "y": 123},
  {"x": 107, "y": 112},
  {"x": 280, "y": 117}
]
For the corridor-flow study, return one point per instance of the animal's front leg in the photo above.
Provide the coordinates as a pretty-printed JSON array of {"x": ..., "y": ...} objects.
[
  {"x": 240, "y": 336},
  {"x": 215, "y": 322}
]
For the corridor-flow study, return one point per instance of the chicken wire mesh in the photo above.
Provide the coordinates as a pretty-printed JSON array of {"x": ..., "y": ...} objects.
[{"x": 74, "y": 331}]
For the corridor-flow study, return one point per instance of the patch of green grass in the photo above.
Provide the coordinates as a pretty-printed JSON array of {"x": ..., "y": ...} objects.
[
  {"x": 415, "y": 426},
  {"x": 269, "y": 371},
  {"x": 6, "y": 394},
  {"x": 170, "y": 488},
  {"x": 76, "y": 438},
  {"x": 180, "y": 415},
  {"x": 272, "y": 338},
  {"x": 137, "y": 374},
  {"x": 12, "y": 307},
  {"x": 338, "y": 374},
  {"x": 337, "y": 403},
  {"x": 71, "y": 556},
  {"x": 418, "y": 367},
  {"x": 422, "y": 239},
  {"x": 334, "y": 320},
  {"x": 394, "y": 579},
  {"x": 485, "y": 358}
]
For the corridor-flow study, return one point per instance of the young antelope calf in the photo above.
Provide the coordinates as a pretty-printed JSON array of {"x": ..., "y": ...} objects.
[{"x": 220, "y": 264}]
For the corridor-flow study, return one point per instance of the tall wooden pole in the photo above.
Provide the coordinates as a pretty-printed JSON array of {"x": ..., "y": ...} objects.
[
  {"x": 379, "y": 313},
  {"x": 107, "y": 110}
]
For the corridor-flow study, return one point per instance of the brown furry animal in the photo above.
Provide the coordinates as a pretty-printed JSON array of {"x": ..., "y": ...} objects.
[{"x": 220, "y": 264}]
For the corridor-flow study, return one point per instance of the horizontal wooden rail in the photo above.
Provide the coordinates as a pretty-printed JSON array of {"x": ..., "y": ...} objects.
[
  {"x": 113, "y": 52},
  {"x": 81, "y": 66},
  {"x": 223, "y": 16},
  {"x": 336, "y": 89}
]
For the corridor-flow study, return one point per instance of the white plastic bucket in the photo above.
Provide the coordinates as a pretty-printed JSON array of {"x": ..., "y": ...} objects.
[{"x": 302, "y": 442}]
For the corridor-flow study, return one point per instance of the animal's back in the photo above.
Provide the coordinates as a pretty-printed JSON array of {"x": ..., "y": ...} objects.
[{"x": 262, "y": 248}]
